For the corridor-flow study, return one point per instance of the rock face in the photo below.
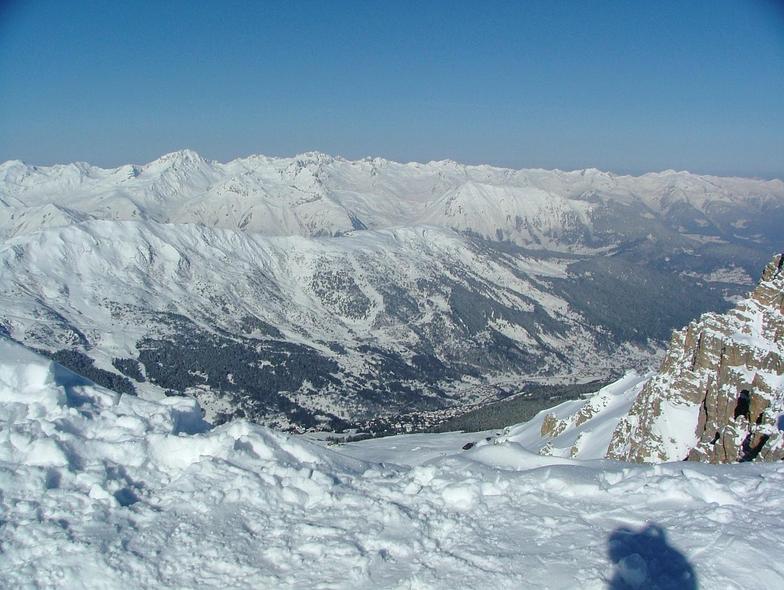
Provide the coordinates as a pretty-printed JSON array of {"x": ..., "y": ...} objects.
[{"x": 719, "y": 394}]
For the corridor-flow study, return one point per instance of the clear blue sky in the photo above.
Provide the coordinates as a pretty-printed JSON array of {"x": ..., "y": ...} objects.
[{"x": 626, "y": 86}]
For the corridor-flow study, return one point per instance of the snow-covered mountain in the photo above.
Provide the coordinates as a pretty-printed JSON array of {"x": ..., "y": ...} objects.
[
  {"x": 315, "y": 290},
  {"x": 717, "y": 397},
  {"x": 108, "y": 490},
  {"x": 370, "y": 324},
  {"x": 314, "y": 194}
]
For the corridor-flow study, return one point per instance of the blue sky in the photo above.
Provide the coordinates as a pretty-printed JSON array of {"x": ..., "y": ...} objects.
[{"x": 624, "y": 86}]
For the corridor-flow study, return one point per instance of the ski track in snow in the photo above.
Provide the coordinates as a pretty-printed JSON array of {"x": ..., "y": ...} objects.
[{"x": 100, "y": 490}]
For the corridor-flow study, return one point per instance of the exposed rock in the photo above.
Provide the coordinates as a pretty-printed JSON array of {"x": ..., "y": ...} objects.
[
  {"x": 552, "y": 426},
  {"x": 719, "y": 394}
]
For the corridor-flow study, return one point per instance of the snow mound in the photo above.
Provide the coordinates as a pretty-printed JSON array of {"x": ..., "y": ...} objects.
[{"x": 100, "y": 490}]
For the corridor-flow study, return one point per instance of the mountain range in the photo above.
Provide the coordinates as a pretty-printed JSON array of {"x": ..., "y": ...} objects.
[
  {"x": 314, "y": 194},
  {"x": 314, "y": 291}
]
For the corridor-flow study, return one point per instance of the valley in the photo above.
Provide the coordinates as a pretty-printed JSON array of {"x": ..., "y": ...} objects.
[{"x": 319, "y": 293}]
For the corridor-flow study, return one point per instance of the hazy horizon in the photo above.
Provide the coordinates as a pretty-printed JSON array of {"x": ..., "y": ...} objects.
[{"x": 623, "y": 87}]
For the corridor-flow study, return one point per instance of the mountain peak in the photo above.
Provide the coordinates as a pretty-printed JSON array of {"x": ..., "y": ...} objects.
[
  {"x": 774, "y": 271},
  {"x": 316, "y": 157},
  {"x": 183, "y": 156},
  {"x": 11, "y": 164}
]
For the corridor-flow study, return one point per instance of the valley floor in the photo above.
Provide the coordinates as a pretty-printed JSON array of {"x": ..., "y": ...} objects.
[{"x": 99, "y": 490}]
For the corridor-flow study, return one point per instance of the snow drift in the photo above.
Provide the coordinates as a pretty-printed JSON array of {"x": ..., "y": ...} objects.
[{"x": 103, "y": 490}]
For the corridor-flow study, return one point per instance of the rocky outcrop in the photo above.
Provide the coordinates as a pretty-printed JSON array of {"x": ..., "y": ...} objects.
[
  {"x": 719, "y": 394},
  {"x": 552, "y": 426}
]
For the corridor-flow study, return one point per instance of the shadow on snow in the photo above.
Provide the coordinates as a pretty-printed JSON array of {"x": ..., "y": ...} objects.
[{"x": 644, "y": 559}]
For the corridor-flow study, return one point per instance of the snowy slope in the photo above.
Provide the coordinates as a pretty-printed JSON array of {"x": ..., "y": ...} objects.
[
  {"x": 109, "y": 491},
  {"x": 424, "y": 311},
  {"x": 579, "y": 429}
]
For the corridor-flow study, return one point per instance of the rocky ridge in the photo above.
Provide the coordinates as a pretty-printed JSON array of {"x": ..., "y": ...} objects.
[{"x": 719, "y": 394}]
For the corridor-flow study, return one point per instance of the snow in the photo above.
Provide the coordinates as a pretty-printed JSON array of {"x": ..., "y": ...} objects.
[
  {"x": 107, "y": 278},
  {"x": 315, "y": 194},
  {"x": 101, "y": 490},
  {"x": 586, "y": 426},
  {"x": 676, "y": 428}
]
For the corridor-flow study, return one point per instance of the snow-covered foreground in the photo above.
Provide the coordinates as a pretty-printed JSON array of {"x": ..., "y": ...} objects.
[{"x": 103, "y": 491}]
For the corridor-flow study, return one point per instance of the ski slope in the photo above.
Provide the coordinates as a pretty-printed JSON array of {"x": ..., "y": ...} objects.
[{"x": 107, "y": 491}]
